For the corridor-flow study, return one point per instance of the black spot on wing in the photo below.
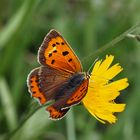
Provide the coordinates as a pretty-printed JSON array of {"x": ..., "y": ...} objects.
[
  {"x": 53, "y": 45},
  {"x": 65, "y": 53},
  {"x": 62, "y": 43},
  {"x": 50, "y": 54},
  {"x": 70, "y": 60},
  {"x": 53, "y": 61},
  {"x": 57, "y": 43},
  {"x": 54, "y": 51}
]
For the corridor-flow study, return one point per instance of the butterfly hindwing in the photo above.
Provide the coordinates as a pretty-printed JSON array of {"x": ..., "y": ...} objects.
[
  {"x": 56, "y": 53},
  {"x": 56, "y": 114},
  {"x": 43, "y": 83},
  {"x": 33, "y": 86}
]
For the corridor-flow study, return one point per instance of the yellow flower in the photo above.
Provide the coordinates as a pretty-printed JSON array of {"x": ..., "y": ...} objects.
[{"x": 99, "y": 99}]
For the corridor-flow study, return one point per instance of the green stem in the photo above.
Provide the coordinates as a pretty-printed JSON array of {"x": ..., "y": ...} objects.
[
  {"x": 113, "y": 42},
  {"x": 8, "y": 104},
  {"x": 70, "y": 126}
]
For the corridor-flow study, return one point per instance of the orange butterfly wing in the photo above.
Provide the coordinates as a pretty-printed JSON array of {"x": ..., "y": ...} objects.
[
  {"x": 56, "y": 114},
  {"x": 56, "y": 53},
  {"x": 33, "y": 86},
  {"x": 44, "y": 82}
]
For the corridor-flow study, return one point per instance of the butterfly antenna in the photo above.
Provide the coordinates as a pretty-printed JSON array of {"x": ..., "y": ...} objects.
[{"x": 92, "y": 64}]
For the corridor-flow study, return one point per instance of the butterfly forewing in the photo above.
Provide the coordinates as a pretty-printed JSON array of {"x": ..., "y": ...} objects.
[{"x": 56, "y": 53}]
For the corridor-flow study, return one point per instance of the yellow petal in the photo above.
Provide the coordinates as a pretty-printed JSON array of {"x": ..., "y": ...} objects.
[
  {"x": 118, "y": 85},
  {"x": 96, "y": 67},
  {"x": 99, "y": 100},
  {"x": 102, "y": 67},
  {"x": 101, "y": 71},
  {"x": 113, "y": 71}
]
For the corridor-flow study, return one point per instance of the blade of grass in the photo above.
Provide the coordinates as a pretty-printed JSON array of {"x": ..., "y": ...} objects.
[
  {"x": 8, "y": 35},
  {"x": 17, "y": 87},
  {"x": 16, "y": 22},
  {"x": 8, "y": 105},
  {"x": 11, "y": 49}
]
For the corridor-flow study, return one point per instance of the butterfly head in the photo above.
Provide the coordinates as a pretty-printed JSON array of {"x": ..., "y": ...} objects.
[{"x": 87, "y": 75}]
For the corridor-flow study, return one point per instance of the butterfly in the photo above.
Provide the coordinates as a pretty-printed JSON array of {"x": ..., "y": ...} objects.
[{"x": 60, "y": 77}]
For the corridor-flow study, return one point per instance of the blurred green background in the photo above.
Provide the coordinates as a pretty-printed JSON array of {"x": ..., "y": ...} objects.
[{"x": 87, "y": 25}]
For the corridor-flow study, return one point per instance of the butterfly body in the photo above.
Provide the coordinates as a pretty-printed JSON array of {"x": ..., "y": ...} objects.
[
  {"x": 60, "y": 78},
  {"x": 70, "y": 85}
]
